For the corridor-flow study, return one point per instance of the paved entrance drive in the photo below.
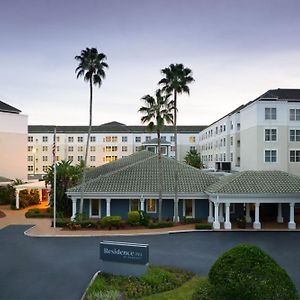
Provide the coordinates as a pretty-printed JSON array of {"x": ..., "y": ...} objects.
[{"x": 60, "y": 268}]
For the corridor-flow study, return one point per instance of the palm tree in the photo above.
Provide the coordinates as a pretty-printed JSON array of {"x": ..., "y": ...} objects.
[
  {"x": 92, "y": 68},
  {"x": 157, "y": 112},
  {"x": 193, "y": 158},
  {"x": 176, "y": 80}
]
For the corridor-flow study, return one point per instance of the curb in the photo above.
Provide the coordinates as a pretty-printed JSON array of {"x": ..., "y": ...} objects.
[{"x": 90, "y": 283}]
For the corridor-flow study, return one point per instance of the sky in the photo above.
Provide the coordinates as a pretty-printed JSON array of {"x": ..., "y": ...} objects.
[{"x": 237, "y": 50}]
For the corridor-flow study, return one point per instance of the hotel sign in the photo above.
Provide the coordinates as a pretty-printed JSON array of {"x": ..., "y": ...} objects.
[{"x": 121, "y": 252}]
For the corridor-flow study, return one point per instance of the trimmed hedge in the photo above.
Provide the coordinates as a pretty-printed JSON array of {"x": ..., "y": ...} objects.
[
  {"x": 191, "y": 220},
  {"x": 247, "y": 272},
  {"x": 203, "y": 226},
  {"x": 61, "y": 222},
  {"x": 133, "y": 218},
  {"x": 144, "y": 218},
  {"x": 39, "y": 213},
  {"x": 111, "y": 221},
  {"x": 203, "y": 291},
  {"x": 160, "y": 225}
]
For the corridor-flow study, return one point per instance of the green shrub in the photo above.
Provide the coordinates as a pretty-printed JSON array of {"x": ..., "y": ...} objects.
[
  {"x": 203, "y": 226},
  {"x": 191, "y": 220},
  {"x": 88, "y": 223},
  {"x": 111, "y": 221},
  {"x": 203, "y": 290},
  {"x": 61, "y": 222},
  {"x": 104, "y": 295},
  {"x": 246, "y": 272},
  {"x": 133, "y": 218},
  {"x": 144, "y": 218},
  {"x": 7, "y": 194},
  {"x": 160, "y": 225},
  {"x": 38, "y": 213}
]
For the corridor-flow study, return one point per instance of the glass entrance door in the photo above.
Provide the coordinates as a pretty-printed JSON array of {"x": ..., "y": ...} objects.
[
  {"x": 95, "y": 207},
  {"x": 188, "y": 208}
]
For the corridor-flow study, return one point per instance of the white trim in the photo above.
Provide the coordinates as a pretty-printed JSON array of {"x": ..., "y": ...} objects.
[
  {"x": 270, "y": 128},
  {"x": 271, "y": 162},
  {"x": 151, "y": 212},
  {"x": 139, "y": 203},
  {"x": 193, "y": 208},
  {"x": 99, "y": 209}
]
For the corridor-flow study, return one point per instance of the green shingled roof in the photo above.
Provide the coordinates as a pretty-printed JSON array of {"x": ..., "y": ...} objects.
[
  {"x": 257, "y": 182},
  {"x": 140, "y": 175}
]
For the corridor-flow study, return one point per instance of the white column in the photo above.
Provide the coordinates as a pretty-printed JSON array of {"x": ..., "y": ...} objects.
[
  {"x": 176, "y": 215},
  {"x": 221, "y": 212},
  {"x": 216, "y": 223},
  {"x": 142, "y": 203},
  {"x": 248, "y": 218},
  {"x": 227, "y": 224},
  {"x": 210, "y": 218},
  {"x": 17, "y": 199},
  {"x": 74, "y": 201},
  {"x": 48, "y": 197},
  {"x": 108, "y": 207},
  {"x": 292, "y": 224},
  {"x": 256, "y": 224},
  {"x": 279, "y": 213}
]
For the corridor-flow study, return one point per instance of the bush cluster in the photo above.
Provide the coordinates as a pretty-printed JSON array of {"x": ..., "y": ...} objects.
[
  {"x": 191, "y": 220},
  {"x": 246, "y": 272},
  {"x": 110, "y": 222},
  {"x": 7, "y": 194},
  {"x": 39, "y": 213},
  {"x": 27, "y": 198},
  {"x": 156, "y": 280},
  {"x": 203, "y": 226},
  {"x": 133, "y": 218},
  {"x": 162, "y": 224}
]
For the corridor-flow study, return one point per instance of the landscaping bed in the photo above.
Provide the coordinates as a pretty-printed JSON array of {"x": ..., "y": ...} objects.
[
  {"x": 39, "y": 213},
  {"x": 155, "y": 281}
]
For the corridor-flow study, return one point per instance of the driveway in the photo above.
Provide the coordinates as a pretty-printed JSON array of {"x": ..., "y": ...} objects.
[{"x": 60, "y": 268}]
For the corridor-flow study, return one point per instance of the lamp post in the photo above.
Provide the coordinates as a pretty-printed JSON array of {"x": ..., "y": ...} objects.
[{"x": 34, "y": 151}]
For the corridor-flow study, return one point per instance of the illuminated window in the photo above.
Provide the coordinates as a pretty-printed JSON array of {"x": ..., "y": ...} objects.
[
  {"x": 192, "y": 139},
  {"x": 110, "y": 158},
  {"x": 114, "y": 139},
  {"x": 151, "y": 205}
]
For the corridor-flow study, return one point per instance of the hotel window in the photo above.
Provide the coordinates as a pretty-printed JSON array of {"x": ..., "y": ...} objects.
[
  {"x": 107, "y": 139},
  {"x": 231, "y": 141},
  {"x": 45, "y": 169},
  {"x": 224, "y": 143},
  {"x": 221, "y": 128},
  {"x": 224, "y": 127},
  {"x": 134, "y": 205},
  {"x": 148, "y": 138},
  {"x": 92, "y": 166},
  {"x": 79, "y": 158},
  {"x": 163, "y": 138},
  {"x": 45, "y": 158},
  {"x": 238, "y": 126},
  {"x": 30, "y": 148},
  {"x": 80, "y": 148},
  {"x": 231, "y": 157},
  {"x": 294, "y": 114},
  {"x": 57, "y": 148},
  {"x": 30, "y": 139},
  {"x": 294, "y": 135},
  {"x": 124, "y": 139},
  {"x": 172, "y": 138},
  {"x": 80, "y": 139},
  {"x": 45, "y": 139},
  {"x": 70, "y": 158},
  {"x": 137, "y": 139},
  {"x": 270, "y": 113},
  {"x": 93, "y": 148},
  {"x": 45, "y": 148},
  {"x": 172, "y": 148},
  {"x": 192, "y": 148},
  {"x": 216, "y": 130},
  {"x": 151, "y": 206},
  {"x": 70, "y": 148},
  {"x": 110, "y": 158},
  {"x": 294, "y": 155},
  {"x": 270, "y": 155},
  {"x": 70, "y": 139},
  {"x": 114, "y": 148},
  {"x": 270, "y": 135},
  {"x": 124, "y": 148},
  {"x": 29, "y": 158},
  {"x": 231, "y": 125},
  {"x": 192, "y": 139},
  {"x": 93, "y": 139},
  {"x": 58, "y": 139},
  {"x": 93, "y": 158},
  {"x": 114, "y": 139},
  {"x": 238, "y": 142},
  {"x": 137, "y": 148},
  {"x": 30, "y": 168},
  {"x": 107, "y": 148},
  {"x": 224, "y": 156}
]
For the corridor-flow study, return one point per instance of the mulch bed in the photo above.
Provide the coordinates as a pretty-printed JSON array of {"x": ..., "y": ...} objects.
[{"x": 2, "y": 214}]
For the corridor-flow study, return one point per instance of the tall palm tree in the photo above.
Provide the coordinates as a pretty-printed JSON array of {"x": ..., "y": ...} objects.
[
  {"x": 91, "y": 67},
  {"x": 175, "y": 81},
  {"x": 157, "y": 112}
]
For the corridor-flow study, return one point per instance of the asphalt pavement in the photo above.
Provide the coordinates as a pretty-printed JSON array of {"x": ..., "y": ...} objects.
[{"x": 60, "y": 268}]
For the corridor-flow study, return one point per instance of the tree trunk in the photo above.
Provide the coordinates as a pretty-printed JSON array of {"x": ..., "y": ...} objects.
[
  {"x": 87, "y": 148},
  {"x": 176, "y": 159},
  {"x": 159, "y": 177}
]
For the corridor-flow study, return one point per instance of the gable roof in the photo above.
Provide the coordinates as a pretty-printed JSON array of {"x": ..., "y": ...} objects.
[
  {"x": 140, "y": 177},
  {"x": 257, "y": 182},
  {"x": 4, "y": 107}
]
